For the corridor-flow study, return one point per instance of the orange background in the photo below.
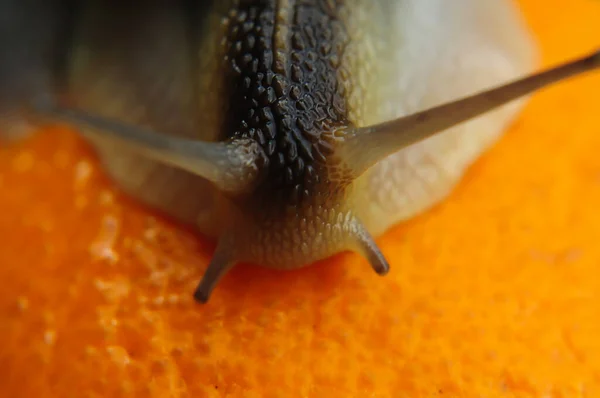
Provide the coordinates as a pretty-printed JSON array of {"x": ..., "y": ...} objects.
[{"x": 494, "y": 293}]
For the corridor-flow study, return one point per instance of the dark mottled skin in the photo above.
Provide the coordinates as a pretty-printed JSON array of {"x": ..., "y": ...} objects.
[
  {"x": 280, "y": 69},
  {"x": 288, "y": 97}
]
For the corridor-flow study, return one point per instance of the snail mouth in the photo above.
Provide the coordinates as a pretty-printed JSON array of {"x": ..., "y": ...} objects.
[{"x": 312, "y": 240}]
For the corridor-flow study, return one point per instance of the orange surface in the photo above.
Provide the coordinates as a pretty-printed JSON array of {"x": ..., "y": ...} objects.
[{"x": 495, "y": 293}]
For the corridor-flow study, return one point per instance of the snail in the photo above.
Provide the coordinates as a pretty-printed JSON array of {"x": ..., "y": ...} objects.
[{"x": 287, "y": 130}]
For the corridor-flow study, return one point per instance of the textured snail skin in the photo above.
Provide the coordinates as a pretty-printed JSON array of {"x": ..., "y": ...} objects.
[{"x": 292, "y": 76}]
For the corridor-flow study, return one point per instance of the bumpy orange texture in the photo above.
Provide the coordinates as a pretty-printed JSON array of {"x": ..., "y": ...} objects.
[{"x": 494, "y": 293}]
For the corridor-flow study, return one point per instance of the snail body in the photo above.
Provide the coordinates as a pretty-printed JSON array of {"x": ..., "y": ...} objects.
[{"x": 295, "y": 129}]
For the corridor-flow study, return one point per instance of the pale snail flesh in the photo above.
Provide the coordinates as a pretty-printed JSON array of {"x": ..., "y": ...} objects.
[{"x": 292, "y": 130}]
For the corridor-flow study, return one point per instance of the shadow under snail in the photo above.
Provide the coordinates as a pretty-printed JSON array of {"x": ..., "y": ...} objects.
[{"x": 288, "y": 130}]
